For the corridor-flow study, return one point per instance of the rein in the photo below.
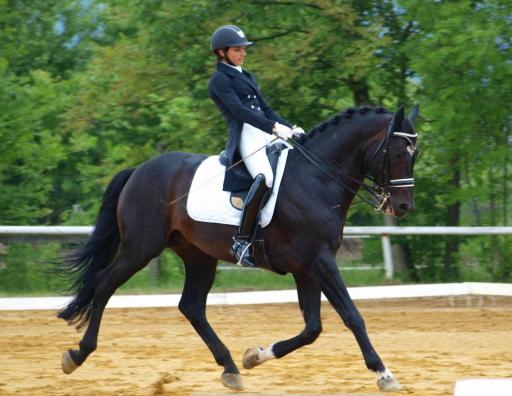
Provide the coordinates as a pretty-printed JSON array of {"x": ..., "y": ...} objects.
[
  {"x": 378, "y": 189},
  {"x": 330, "y": 171}
]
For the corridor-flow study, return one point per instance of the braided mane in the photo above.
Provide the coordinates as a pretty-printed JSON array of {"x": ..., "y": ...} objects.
[{"x": 344, "y": 115}]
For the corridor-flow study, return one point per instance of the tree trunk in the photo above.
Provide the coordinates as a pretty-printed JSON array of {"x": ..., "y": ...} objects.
[
  {"x": 360, "y": 91},
  {"x": 451, "y": 272},
  {"x": 508, "y": 142}
]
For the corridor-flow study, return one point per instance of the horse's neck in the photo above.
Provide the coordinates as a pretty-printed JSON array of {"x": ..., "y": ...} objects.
[
  {"x": 345, "y": 144},
  {"x": 342, "y": 149},
  {"x": 339, "y": 148}
]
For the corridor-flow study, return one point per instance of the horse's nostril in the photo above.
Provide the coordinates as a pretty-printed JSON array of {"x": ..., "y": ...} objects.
[{"x": 405, "y": 207}]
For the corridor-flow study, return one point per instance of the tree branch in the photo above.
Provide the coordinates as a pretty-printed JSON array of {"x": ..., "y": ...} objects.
[
  {"x": 288, "y": 3},
  {"x": 281, "y": 34}
]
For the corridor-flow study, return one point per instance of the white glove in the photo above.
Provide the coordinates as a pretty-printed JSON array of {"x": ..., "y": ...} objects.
[
  {"x": 296, "y": 130},
  {"x": 282, "y": 131}
]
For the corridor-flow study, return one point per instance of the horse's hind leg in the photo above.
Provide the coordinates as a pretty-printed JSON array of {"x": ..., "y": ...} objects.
[
  {"x": 308, "y": 291},
  {"x": 200, "y": 274},
  {"x": 337, "y": 294},
  {"x": 127, "y": 263}
]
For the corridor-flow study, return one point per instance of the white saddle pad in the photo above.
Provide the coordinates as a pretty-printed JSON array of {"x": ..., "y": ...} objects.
[{"x": 207, "y": 201}]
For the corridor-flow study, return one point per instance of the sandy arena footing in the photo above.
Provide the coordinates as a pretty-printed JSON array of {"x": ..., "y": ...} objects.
[{"x": 428, "y": 343}]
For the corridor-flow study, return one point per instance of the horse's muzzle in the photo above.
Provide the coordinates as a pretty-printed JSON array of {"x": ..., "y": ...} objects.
[{"x": 401, "y": 209}]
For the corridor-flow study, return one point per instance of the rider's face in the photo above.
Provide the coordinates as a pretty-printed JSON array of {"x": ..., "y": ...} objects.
[{"x": 236, "y": 55}]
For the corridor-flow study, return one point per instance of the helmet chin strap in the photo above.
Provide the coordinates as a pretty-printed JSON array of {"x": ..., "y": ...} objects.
[{"x": 226, "y": 58}]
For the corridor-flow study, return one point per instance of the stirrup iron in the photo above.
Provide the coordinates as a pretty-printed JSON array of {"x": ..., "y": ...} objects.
[
  {"x": 243, "y": 254},
  {"x": 240, "y": 251}
]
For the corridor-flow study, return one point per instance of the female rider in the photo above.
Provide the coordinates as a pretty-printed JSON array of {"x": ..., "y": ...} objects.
[{"x": 251, "y": 123}]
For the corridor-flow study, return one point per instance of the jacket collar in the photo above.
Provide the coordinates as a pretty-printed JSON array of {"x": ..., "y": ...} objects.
[{"x": 245, "y": 75}]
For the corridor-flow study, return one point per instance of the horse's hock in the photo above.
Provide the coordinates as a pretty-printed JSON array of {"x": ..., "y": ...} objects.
[{"x": 156, "y": 351}]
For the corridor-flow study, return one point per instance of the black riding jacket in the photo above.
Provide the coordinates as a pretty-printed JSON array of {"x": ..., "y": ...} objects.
[{"x": 238, "y": 97}]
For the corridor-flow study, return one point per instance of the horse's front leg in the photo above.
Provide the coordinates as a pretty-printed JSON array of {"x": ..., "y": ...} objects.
[
  {"x": 308, "y": 290},
  {"x": 337, "y": 294}
]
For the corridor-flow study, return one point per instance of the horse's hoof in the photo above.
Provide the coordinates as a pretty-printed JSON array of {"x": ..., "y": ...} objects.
[
  {"x": 389, "y": 384},
  {"x": 251, "y": 358},
  {"x": 232, "y": 381},
  {"x": 67, "y": 363}
]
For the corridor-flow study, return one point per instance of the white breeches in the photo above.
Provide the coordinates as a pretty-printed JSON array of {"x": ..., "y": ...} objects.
[{"x": 252, "y": 139}]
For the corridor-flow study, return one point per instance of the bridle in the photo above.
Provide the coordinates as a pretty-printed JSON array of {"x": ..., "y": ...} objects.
[
  {"x": 378, "y": 189},
  {"x": 385, "y": 181}
]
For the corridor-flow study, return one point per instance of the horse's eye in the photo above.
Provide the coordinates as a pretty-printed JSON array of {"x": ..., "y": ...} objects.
[{"x": 398, "y": 155}]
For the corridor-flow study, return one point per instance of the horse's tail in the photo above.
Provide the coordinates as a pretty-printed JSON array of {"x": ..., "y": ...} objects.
[{"x": 98, "y": 253}]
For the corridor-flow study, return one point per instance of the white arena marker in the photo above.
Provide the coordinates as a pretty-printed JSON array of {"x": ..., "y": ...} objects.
[
  {"x": 273, "y": 296},
  {"x": 487, "y": 386}
]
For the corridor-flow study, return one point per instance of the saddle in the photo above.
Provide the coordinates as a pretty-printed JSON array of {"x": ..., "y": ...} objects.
[
  {"x": 237, "y": 198},
  {"x": 208, "y": 202}
]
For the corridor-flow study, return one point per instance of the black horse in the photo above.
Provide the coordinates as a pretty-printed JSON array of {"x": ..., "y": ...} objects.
[{"x": 324, "y": 172}]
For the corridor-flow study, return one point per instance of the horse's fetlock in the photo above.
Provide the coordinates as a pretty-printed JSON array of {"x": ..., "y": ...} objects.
[
  {"x": 76, "y": 356},
  {"x": 87, "y": 347},
  {"x": 311, "y": 334},
  {"x": 222, "y": 357},
  {"x": 374, "y": 363},
  {"x": 386, "y": 374}
]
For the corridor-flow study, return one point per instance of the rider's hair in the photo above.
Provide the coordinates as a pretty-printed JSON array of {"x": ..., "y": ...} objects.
[{"x": 219, "y": 56}]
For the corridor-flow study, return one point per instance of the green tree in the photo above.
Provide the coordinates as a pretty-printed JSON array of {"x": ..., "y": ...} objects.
[
  {"x": 89, "y": 88},
  {"x": 461, "y": 58},
  {"x": 41, "y": 44},
  {"x": 30, "y": 149}
]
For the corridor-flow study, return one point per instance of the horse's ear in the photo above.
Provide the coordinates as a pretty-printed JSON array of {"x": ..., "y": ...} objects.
[
  {"x": 413, "y": 114},
  {"x": 395, "y": 124}
]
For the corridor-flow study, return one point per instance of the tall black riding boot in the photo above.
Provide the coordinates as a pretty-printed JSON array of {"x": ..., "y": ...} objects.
[{"x": 241, "y": 249}]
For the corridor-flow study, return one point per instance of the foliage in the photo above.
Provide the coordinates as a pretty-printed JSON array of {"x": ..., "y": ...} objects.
[
  {"x": 24, "y": 269},
  {"x": 89, "y": 88}
]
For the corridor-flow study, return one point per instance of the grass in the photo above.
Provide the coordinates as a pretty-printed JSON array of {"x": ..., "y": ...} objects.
[
  {"x": 24, "y": 271},
  {"x": 227, "y": 279},
  {"x": 232, "y": 278}
]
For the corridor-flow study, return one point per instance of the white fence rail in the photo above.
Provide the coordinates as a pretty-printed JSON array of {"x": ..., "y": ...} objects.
[{"x": 16, "y": 233}]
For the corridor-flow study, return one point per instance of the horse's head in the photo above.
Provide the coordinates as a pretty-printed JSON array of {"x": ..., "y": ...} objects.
[{"x": 392, "y": 162}]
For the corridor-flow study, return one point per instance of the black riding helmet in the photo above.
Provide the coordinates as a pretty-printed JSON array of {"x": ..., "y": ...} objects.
[{"x": 228, "y": 36}]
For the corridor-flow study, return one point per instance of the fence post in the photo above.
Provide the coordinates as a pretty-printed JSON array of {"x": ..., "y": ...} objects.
[
  {"x": 388, "y": 256},
  {"x": 154, "y": 268}
]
